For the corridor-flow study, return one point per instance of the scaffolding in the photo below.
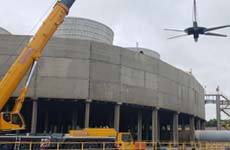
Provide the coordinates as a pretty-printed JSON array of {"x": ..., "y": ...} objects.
[{"x": 222, "y": 105}]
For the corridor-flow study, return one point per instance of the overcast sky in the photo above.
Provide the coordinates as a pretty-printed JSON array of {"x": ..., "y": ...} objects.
[{"x": 143, "y": 21}]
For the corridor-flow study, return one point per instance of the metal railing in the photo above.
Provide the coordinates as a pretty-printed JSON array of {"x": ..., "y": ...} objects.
[{"x": 113, "y": 146}]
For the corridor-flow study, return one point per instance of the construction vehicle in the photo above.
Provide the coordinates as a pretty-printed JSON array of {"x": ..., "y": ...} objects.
[
  {"x": 89, "y": 138},
  {"x": 113, "y": 139},
  {"x": 28, "y": 58}
]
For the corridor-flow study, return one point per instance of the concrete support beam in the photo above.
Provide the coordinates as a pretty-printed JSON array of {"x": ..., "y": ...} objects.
[
  {"x": 183, "y": 125},
  {"x": 202, "y": 125},
  {"x": 139, "y": 126},
  {"x": 147, "y": 132},
  {"x": 117, "y": 116},
  {"x": 34, "y": 117},
  {"x": 87, "y": 112},
  {"x": 111, "y": 120},
  {"x": 175, "y": 128},
  {"x": 218, "y": 116},
  {"x": 74, "y": 119},
  {"x": 198, "y": 124},
  {"x": 155, "y": 123},
  {"x": 46, "y": 121},
  {"x": 192, "y": 128}
]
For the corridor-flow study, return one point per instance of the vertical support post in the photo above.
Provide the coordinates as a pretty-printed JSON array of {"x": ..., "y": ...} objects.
[
  {"x": 34, "y": 116},
  {"x": 87, "y": 112},
  {"x": 111, "y": 120},
  {"x": 192, "y": 128},
  {"x": 139, "y": 126},
  {"x": 74, "y": 118},
  {"x": 203, "y": 125},
  {"x": 218, "y": 111},
  {"x": 58, "y": 146},
  {"x": 175, "y": 128},
  {"x": 155, "y": 123},
  {"x": 30, "y": 146},
  {"x": 46, "y": 121},
  {"x": 117, "y": 116},
  {"x": 198, "y": 124},
  {"x": 147, "y": 131},
  {"x": 103, "y": 146},
  {"x": 183, "y": 125}
]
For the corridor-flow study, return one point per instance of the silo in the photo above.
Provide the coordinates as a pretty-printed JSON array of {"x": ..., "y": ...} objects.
[{"x": 86, "y": 29}]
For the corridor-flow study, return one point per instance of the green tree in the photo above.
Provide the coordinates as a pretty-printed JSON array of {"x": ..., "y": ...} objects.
[{"x": 211, "y": 123}]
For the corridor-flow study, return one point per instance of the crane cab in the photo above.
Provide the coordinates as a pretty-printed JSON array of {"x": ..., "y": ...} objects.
[
  {"x": 11, "y": 121},
  {"x": 125, "y": 140}
]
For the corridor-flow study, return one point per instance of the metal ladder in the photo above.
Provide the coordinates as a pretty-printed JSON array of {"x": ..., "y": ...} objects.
[{"x": 17, "y": 143}]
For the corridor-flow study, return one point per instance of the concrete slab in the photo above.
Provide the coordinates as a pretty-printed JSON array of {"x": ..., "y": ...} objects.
[
  {"x": 106, "y": 53},
  {"x": 62, "y": 88},
  {"x": 139, "y": 61}
]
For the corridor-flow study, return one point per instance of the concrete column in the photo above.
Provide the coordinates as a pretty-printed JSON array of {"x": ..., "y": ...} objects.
[
  {"x": 139, "y": 126},
  {"x": 34, "y": 117},
  {"x": 183, "y": 125},
  {"x": 147, "y": 132},
  {"x": 198, "y": 124},
  {"x": 159, "y": 129},
  {"x": 203, "y": 125},
  {"x": 218, "y": 112},
  {"x": 117, "y": 116},
  {"x": 74, "y": 119},
  {"x": 175, "y": 128},
  {"x": 192, "y": 128},
  {"x": 46, "y": 121},
  {"x": 155, "y": 123},
  {"x": 87, "y": 112},
  {"x": 111, "y": 119}
]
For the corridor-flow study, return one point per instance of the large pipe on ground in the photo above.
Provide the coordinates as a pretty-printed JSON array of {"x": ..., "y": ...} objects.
[{"x": 212, "y": 135}]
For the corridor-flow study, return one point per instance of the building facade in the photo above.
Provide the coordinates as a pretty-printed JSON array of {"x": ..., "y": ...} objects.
[{"x": 85, "y": 83}]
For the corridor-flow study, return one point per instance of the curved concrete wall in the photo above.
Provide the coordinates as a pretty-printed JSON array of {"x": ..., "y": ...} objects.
[
  {"x": 145, "y": 51},
  {"x": 78, "y": 69}
]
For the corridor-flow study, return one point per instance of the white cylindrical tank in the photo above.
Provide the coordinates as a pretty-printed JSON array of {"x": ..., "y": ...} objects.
[
  {"x": 4, "y": 31},
  {"x": 86, "y": 29},
  {"x": 212, "y": 135},
  {"x": 145, "y": 51}
]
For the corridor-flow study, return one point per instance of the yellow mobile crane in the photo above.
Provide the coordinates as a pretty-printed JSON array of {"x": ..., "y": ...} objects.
[{"x": 28, "y": 58}]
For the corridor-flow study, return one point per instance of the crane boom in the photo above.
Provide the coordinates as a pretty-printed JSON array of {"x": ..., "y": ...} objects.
[{"x": 24, "y": 62}]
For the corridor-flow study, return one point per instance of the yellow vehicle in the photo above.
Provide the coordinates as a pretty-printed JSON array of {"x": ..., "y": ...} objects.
[
  {"x": 112, "y": 138},
  {"x": 89, "y": 138},
  {"x": 28, "y": 59}
]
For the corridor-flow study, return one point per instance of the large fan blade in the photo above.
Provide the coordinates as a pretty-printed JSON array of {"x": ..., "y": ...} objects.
[
  {"x": 194, "y": 11},
  {"x": 175, "y": 30},
  {"x": 215, "y": 34},
  {"x": 178, "y": 36},
  {"x": 217, "y": 28}
]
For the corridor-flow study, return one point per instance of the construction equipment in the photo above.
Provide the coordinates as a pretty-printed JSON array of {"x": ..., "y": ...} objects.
[
  {"x": 122, "y": 140},
  {"x": 28, "y": 59},
  {"x": 89, "y": 138}
]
